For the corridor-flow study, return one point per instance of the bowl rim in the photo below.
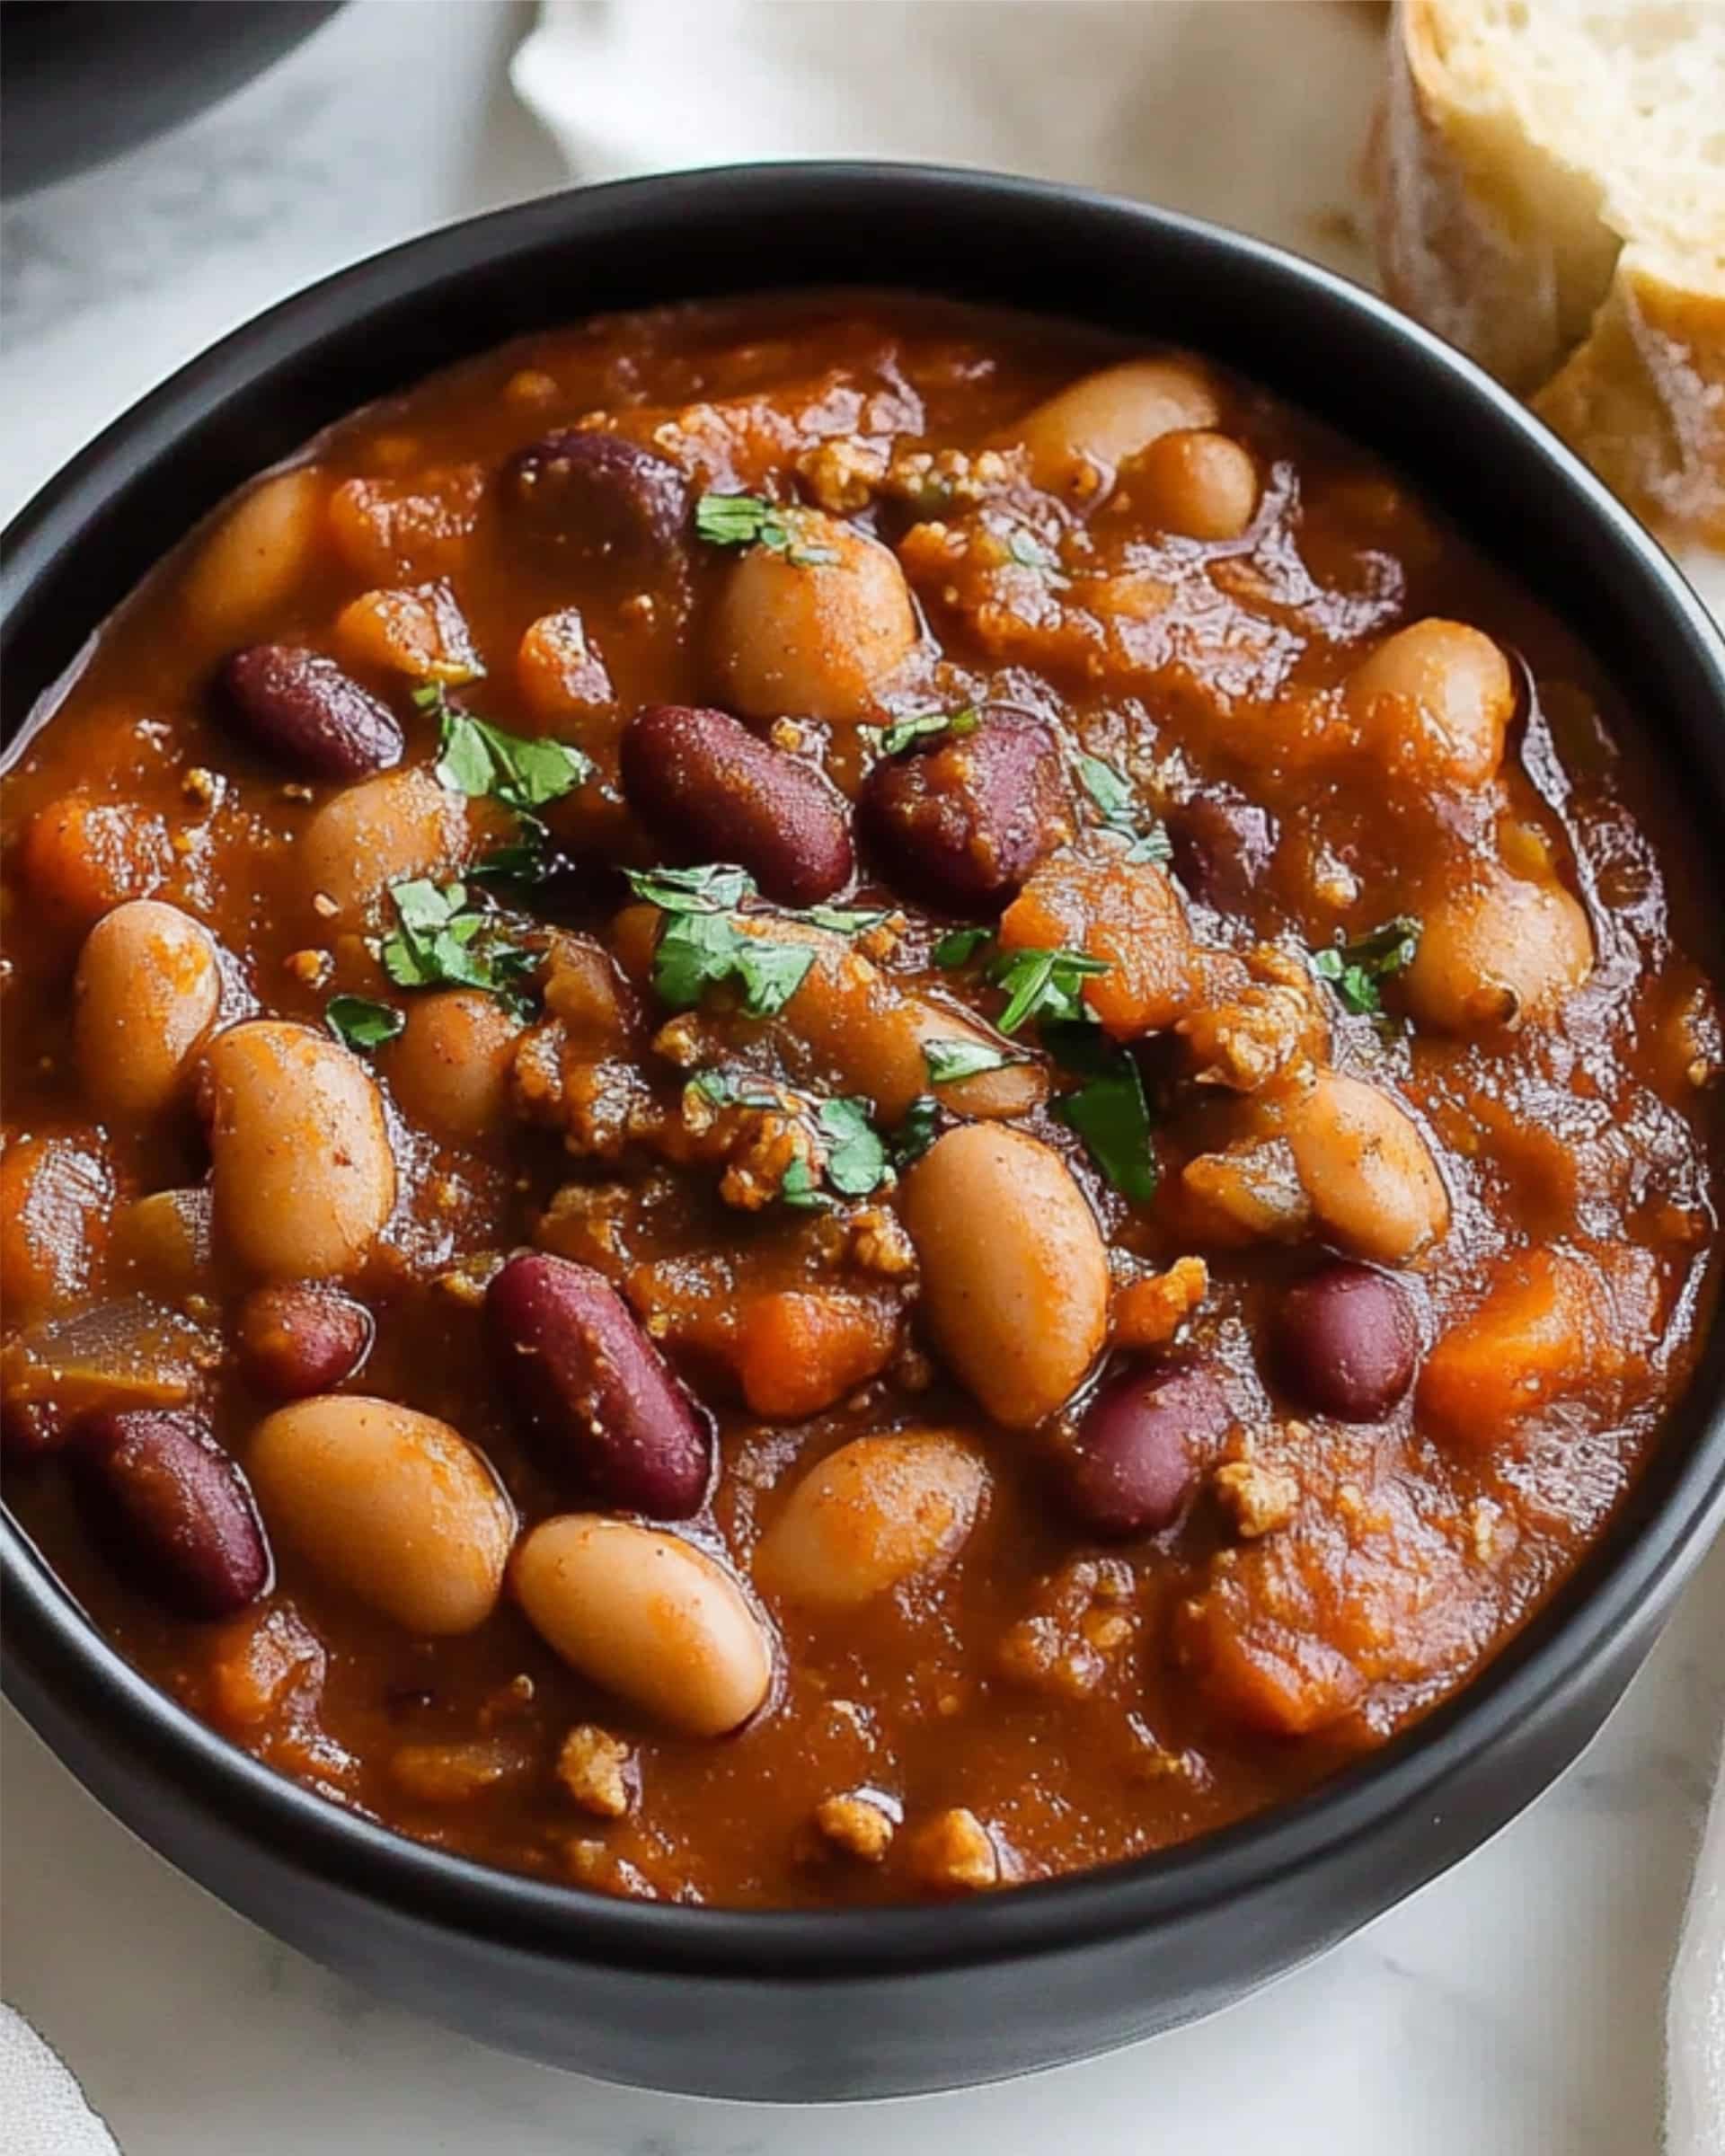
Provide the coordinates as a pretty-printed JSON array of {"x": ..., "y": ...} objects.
[{"x": 1629, "y": 1574}]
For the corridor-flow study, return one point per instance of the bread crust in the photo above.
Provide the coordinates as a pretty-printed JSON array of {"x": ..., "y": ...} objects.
[{"x": 1490, "y": 239}]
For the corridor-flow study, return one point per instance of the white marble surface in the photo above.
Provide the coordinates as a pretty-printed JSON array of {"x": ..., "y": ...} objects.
[{"x": 1512, "y": 2009}]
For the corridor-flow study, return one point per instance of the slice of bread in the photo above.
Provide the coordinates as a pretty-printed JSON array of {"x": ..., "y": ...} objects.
[{"x": 1550, "y": 196}]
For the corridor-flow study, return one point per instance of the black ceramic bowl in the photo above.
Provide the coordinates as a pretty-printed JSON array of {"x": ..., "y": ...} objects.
[
  {"x": 83, "y": 80},
  {"x": 800, "y": 2005}
]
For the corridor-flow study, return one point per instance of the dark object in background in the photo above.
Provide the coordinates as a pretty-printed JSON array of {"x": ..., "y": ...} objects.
[{"x": 82, "y": 80}]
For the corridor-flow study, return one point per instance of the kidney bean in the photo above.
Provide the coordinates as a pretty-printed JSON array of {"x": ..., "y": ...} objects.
[
  {"x": 298, "y": 1339},
  {"x": 595, "y": 1389},
  {"x": 708, "y": 788},
  {"x": 649, "y": 1616},
  {"x": 163, "y": 1493},
  {"x": 301, "y": 709},
  {"x": 598, "y": 492},
  {"x": 1222, "y": 848},
  {"x": 1140, "y": 1446},
  {"x": 964, "y": 818},
  {"x": 1345, "y": 1341}
]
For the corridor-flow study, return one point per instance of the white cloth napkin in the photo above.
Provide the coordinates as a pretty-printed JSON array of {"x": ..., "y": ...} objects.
[
  {"x": 42, "y": 2107},
  {"x": 1253, "y": 113}
]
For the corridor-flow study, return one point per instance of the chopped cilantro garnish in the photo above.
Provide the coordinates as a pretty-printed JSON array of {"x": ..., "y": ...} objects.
[
  {"x": 960, "y": 947},
  {"x": 359, "y": 1023},
  {"x": 732, "y": 1088},
  {"x": 951, "y": 1059},
  {"x": 476, "y": 757},
  {"x": 798, "y": 1187},
  {"x": 1355, "y": 968},
  {"x": 746, "y": 521},
  {"x": 442, "y": 943},
  {"x": 856, "y": 1155},
  {"x": 1029, "y": 551},
  {"x": 700, "y": 951},
  {"x": 902, "y": 732},
  {"x": 706, "y": 941},
  {"x": 717, "y": 889},
  {"x": 915, "y": 1131},
  {"x": 844, "y": 920},
  {"x": 1045, "y": 985},
  {"x": 1109, "y": 1110},
  {"x": 1120, "y": 812}
]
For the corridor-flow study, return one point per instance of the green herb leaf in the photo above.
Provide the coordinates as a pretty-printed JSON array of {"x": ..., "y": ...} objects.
[
  {"x": 1046, "y": 985},
  {"x": 1110, "y": 1114},
  {"x": 799, "y": 1190},
  {"x": 700, "y": 951},
  {"x": 443, "y": 943},
  {"x": 525, "y": 858},
  {"x": 948, "y": 1061},
  {"x": 1113, "y": 795},
  {"x": 1354, "y": 969},
  {"x": 843, "y": 920},
  {"x": 856, "y": 1156},
  {"x": 734, "y": 1089},
  {"x": 358, "y": 1022},
  {"x": 747, "y": 520},
  {"x": 717, "y": 889},
  {"x": 961, "y": 946},
  {"x": 902, "y": 732},
  {"x": 475, "y": 757},
  {"x": 915, "y": 1130},
  {"x": 1029, "y": 551}
]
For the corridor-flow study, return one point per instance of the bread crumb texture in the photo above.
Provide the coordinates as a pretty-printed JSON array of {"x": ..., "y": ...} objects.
[{"x": 1550, "y": 178}]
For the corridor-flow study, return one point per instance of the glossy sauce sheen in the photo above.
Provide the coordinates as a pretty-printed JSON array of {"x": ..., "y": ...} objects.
[{"x": 999, "y": 1646}]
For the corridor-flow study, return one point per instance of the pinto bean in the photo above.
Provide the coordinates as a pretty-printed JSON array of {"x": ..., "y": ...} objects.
[
  {"x": 301, "y": 709},
  {"x": 595, "y": 1388},
  {"x": 876, "y": 1513},
  {"x": 1141, "y": 1446},
  {"x": 148, "y": 988},
  {"x": 1194, "y": 482},
  {"x": 173, "y": 1507},
  {"x": 1366, "y": 1170},
  {"x": 450, "y": 1068},
  {"x": 964, "y": 818},
  {"x": 1495, "y": 953},
  {"x": 1434, "y": 701},
  {"x": 648, "y": 1616},
  {"x": 598, "y": 494},
  {"x": 303, "y": 1177},
  {"x": 385, "y": 830},
  {"x": 396, "y": 1506},
  {"x": 816, "y": 631},
  {"x": 1345, "y": 1341},
  {"x": 295, "y": 1340},
  {"x": 250, "y": 564},
  {"x": 706, "y": 787},
  {"x": 1014, "y": 1275},
  {"x": 1077, "y": 439}
]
